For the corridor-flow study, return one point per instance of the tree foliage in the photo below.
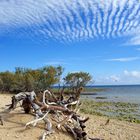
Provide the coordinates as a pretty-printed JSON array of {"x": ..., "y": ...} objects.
[
  {"x": 24, "y": 79},
  {"x": 77, "y": 79},
  {"x": 28, "y": 79}
]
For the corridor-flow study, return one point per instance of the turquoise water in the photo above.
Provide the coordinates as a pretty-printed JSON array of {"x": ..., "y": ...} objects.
[{"x": 129, "y": 93}]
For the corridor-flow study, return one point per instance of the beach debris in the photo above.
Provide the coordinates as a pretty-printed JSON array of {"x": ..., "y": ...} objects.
[
  {"x": 51, "y": 108},
  {"x": 1, "y": 120},
  {"x": 107, "y": 122}
]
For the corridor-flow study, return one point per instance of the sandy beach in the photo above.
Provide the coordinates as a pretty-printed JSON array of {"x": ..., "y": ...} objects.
[{"x": 14, "y": 125}]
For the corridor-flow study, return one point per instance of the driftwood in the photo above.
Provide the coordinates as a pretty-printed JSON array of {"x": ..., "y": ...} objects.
[
  {"x": 1, "y": 120},
  {"x": 51, "y": 108}
]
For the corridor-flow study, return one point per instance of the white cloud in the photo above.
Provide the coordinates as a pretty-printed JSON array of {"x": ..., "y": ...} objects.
[
  {"x": 134, "y": 41},
  {"x": 72, "y": 19},
  {"x": 135, "y": 74},
  {"x": 108, "y": 80},
  {"x": 125, "y": 59},
  {"x": 115, "y": 78},
  {"x": 124, "y": 78}
]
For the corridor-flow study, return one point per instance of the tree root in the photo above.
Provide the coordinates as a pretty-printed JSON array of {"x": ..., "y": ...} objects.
[{"x": 65, "y": 117}]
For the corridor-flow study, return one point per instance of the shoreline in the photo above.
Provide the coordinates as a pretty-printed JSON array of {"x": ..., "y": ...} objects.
[
  {"x": 116, "y": 110},
  {"x": 13, "y": 127}
]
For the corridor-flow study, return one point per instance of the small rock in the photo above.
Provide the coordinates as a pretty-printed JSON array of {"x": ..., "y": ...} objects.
[
  {"x": 7, "y": 135},
  {"x": 112, "y": 133},
  {"x": 17, "y": 136}
]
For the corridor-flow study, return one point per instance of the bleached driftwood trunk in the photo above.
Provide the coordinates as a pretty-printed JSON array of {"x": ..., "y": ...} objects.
[{"x": 65, "y": 117}]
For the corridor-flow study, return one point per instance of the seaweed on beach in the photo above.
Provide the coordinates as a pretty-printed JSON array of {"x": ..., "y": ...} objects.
[{"x": 119, "y": 110}]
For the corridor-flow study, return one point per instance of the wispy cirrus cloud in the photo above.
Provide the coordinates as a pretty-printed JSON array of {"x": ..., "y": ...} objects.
[
  {"x": 124, "y": 59},
  {"x": 134, "y": 40},
  {"x": 70, "y": 20}
]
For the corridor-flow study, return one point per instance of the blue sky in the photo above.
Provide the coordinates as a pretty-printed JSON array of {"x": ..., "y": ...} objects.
[{"x": 101, "y": 37}]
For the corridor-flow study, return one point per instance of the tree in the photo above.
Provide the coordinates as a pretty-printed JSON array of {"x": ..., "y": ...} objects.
[
  {"x": 8, "y": 80},
  {"x": 24, "y": 79},
  {"x": 29, "y": 82},
  {"x": 77, "y": 80},
  {"x": 1, "y": 84},
  {"x": 49, "y": 76},
  {"x": 18, "y": 83}
]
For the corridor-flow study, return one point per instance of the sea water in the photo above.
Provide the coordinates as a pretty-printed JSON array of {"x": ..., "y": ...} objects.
[{"x": 118, "y": 93}]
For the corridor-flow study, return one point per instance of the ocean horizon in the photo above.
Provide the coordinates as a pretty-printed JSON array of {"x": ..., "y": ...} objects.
[
  {"x": 114, "y": 93},
  {"x": 117, "y": 93}
]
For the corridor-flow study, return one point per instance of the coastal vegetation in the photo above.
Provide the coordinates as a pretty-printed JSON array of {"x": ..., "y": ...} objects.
[
  {"x": 93, "y": 89},
  {"x": 118, "y": 110},
  {"x": 77, "y": 80},
  {"x": 25, "y": 79}
]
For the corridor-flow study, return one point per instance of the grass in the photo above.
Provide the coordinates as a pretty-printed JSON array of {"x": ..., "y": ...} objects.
[
  {"x": 122, "y": 111},
  {"x": 92, "y": 89},
  {"x": 86, "y": 89}
]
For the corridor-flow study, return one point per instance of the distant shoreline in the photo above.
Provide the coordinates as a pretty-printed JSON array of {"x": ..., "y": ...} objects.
[
  {"x": 94, "y": 86},
  {"x": 89, "y": 93}
]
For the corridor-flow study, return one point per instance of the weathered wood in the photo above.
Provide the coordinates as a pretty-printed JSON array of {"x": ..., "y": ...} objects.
[
  {"x": 64, "y": 116},
  {"x": 36, "y": 120},
  {"x": 1, "y": 120}
]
